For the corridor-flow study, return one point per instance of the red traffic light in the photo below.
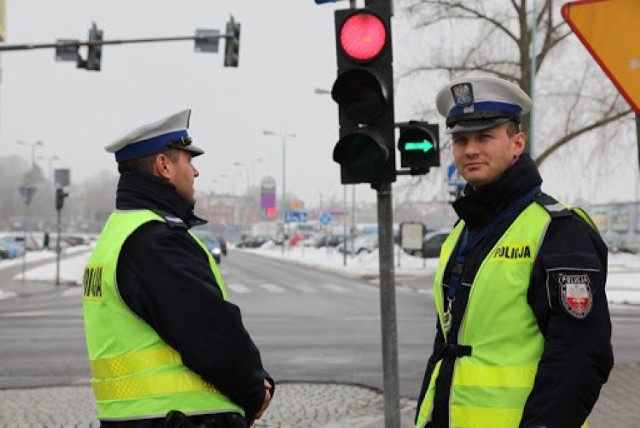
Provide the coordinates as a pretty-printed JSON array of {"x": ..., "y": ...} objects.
[{"x": 363, "y": 36}]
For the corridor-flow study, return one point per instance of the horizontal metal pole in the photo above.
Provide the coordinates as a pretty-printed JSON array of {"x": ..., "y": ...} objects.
[{"x": 19, "y": 47}]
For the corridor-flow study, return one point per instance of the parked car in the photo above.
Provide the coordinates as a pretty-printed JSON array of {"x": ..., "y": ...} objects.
[
  {"x": 432, "y": 243},
  {"x": 254, "y": 241},
  {"x": 4, "y": 252},
  {"x": 315, "y": 241},
  {"x": 30, "y": 244},
  {"x": 361, "y": 244},
  {"x": 73, "y": 240},
  {"x": 15, "y": 249}
]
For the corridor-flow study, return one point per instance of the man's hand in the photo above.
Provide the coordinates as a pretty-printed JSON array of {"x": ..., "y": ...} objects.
[{"x": 267, "y": 401}]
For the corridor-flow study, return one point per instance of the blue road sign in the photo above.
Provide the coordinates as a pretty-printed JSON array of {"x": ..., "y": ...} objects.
[
  {"x": 295, "y": 216},
  {"x": 451, "y": 169},
  {"x": 325, "y": 219},
  {"x": 325, "y": 1},
  {"x": 453, "y": 177},
  {"x": 27, "y": 193}
]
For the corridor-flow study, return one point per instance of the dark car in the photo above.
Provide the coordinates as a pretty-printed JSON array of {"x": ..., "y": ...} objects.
[
  {"x": 254, "y": 241},
  {"x": 432, "y": 243},
  {"x": 210, "y": 241}
]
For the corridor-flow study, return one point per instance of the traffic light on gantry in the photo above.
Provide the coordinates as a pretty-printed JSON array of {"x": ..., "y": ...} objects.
[
  {"x": 232, "y": 44},
  {"x": 94, "y": 51},
  {"x": 363, "y": 91},
  {"x": 419, "y": 146}
]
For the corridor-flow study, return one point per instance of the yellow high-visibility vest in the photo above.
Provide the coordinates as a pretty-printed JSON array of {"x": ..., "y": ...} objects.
[
  {"x": 135, "y": 374},
  {"x": 490, "y": 387}
]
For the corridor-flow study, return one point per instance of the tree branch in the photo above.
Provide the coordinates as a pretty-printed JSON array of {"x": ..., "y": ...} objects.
[{"x": 572, "y": 135}]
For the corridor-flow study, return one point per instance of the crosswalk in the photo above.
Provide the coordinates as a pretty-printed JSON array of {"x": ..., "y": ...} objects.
[
  {"x": 236, "y": 287},
  {"x": 270, "y": 288}
]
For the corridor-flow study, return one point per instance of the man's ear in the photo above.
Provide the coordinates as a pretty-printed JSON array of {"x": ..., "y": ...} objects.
[
  {"x": 162, "y": 166},
  {"x": 520, "y": 142}
]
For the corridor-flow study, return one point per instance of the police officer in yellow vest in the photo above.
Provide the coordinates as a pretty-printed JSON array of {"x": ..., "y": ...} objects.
[
  {"x": 165, "y": 345},
  {"x": 523, "y": 336}
]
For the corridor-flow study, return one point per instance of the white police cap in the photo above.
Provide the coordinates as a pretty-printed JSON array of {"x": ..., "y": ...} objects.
[
  {"x": 480, "y": 102},
  {"x": 170, "y": 132}
]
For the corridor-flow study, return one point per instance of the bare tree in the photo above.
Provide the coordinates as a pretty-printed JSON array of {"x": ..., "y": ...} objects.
[{"x": 498, "y": 37}]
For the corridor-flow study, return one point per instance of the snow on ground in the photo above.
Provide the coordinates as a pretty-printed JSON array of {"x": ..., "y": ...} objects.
[{"x": 623, "y": 283}]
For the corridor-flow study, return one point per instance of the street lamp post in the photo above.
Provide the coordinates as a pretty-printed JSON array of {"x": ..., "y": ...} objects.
[
  {"x": 246, "y": 169},
  {"x": 253, "y": 170},
  {"x": 283, "y": 203},
  {"x": 322, "y": 91},
  {"x": 51, "y": 159},
  {"x": 33, "y": 150}
]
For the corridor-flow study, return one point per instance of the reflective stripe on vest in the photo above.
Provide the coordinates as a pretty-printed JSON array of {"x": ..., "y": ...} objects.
[
  {"x": 135, "y": 374},
  {"x": 490, "y": 387}
]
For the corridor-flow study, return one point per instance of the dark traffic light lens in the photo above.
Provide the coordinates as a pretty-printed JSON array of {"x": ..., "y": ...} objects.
[
  {"x": 361, "y": 94},
  {"x": 363, "y": 36},
  {"x": 362, "y": 154}
]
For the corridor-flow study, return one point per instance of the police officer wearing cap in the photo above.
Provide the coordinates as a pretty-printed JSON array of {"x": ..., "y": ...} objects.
[
  {"x": 523, "y": 335},
  {"x": 165, "y": 345}
]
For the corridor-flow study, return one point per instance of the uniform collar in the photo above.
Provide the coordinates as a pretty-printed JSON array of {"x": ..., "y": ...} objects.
[
  {"x": 478, "y": 206},
  {"x": 141, "y": 190}
]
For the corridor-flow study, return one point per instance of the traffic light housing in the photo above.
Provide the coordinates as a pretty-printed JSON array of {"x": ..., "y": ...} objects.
[
  {"x": 94, "y": 52},
  {"x": 60, "y": 195},
  {"x": 419, "y": 146},
  {"x": 363, "y": 91},
  {"x": 232, "y": 44}
]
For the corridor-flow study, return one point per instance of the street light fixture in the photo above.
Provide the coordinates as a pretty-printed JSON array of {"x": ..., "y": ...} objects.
[
  {"x": 33, "y": 150},
  {"x": 284, "y": 150}
]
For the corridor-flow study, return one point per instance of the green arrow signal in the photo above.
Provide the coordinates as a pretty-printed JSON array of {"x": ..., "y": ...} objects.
[{"x": 424, "y": 145}]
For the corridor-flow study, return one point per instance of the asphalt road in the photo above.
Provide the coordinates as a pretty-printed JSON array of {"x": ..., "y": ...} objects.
[{"x": 310, "y": 326}]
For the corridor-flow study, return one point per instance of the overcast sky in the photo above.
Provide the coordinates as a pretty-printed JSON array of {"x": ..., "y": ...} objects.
[{"x": 287, "y": 50}]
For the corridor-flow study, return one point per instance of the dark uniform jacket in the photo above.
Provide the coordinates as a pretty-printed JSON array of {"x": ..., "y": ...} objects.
[
  {"x": 164, "y": 276},
  {"x": 577, "y": 356}
]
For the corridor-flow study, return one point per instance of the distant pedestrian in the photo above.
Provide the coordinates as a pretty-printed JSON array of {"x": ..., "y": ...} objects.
[
  {"x": 45, "y": 240},
  {"x": 523, "y": 334},
  {"x": 166, "y": 347}
]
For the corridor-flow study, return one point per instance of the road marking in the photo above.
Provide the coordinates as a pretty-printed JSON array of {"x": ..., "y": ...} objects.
[
  {"x": 272, "y": 288},
  {"x": 44, "y": 313},
  {"x": 71, "y": 292},
  {"x": 238, "y": 288},
  {"x": 7, "y": 295},
  {"x": 335, "y": 288},
  {"x": 304, "y": 288}
]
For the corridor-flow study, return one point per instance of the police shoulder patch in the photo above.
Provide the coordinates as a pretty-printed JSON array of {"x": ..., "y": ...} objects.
[{"x": 575, "y": 294}]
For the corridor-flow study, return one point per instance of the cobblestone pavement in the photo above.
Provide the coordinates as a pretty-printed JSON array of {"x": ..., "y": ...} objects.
[
  {"x": 294, "y": 405},
  {"x": 298, "y": 405},
  {"x": 318, "y": 405}
]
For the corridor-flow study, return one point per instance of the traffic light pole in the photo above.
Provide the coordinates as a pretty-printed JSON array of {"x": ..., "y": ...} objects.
[
  {"x": 58, "y": 248},
  {"x": 388, "y": 307}
]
